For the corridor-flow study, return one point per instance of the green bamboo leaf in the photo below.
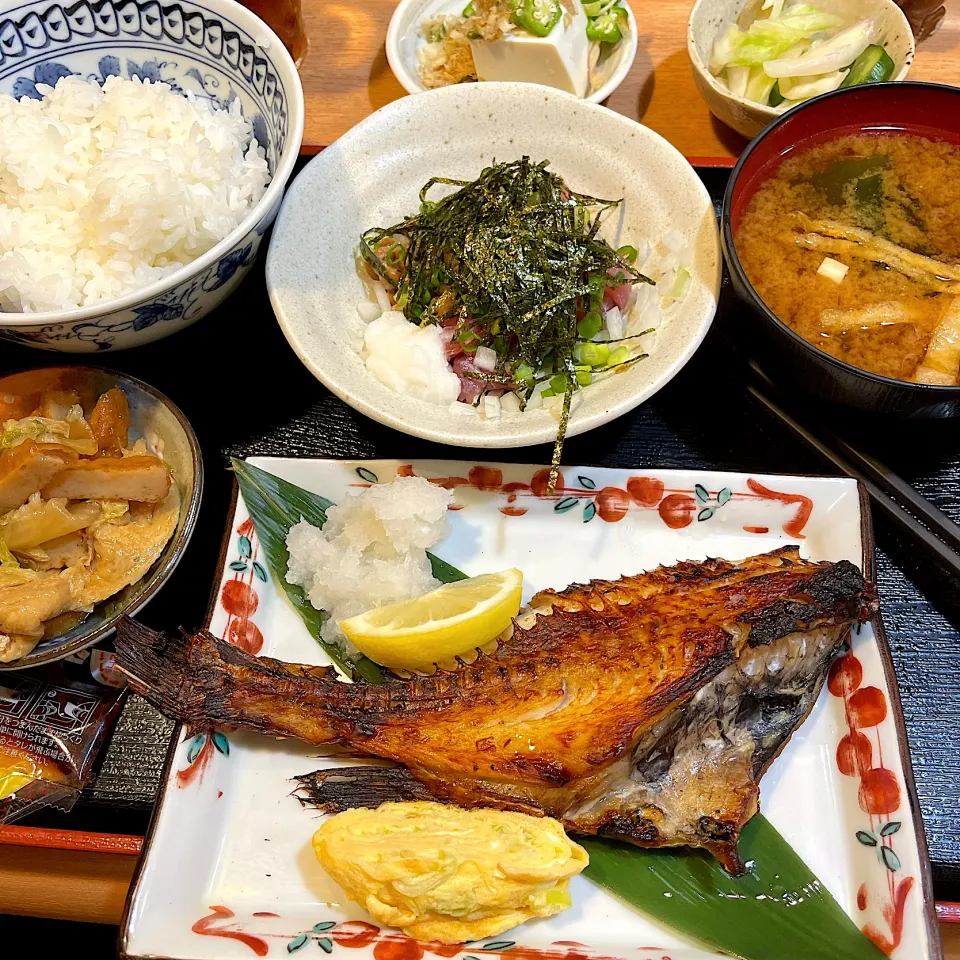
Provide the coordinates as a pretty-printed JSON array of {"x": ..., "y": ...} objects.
[
  {"x": 443, "y": 571},
  {"x": 275, "y": 505},
  {"x": 779, "y": 901}
]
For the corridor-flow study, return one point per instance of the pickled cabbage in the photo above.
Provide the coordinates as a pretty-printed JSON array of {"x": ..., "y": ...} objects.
[{"x": 770, "y": 38}]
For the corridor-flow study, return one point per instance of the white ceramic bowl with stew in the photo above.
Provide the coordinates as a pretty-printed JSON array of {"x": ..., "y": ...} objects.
[{"x": 163, "y": 425}]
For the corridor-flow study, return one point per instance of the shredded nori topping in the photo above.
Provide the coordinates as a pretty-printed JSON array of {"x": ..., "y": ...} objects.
[{"x": 516, "y": 258}]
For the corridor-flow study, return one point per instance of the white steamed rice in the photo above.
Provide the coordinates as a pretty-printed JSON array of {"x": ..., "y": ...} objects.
[
  {"x": 109, "y": 189},
  {"x": 371, "y": 551}
]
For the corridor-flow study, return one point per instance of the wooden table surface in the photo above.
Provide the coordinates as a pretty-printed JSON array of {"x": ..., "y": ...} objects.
[
  {"x": 90, "y": 886},
  {"x": 346, "y": 76}
]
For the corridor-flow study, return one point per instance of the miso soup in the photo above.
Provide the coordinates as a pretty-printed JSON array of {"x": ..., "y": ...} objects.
[{"x": 855, "y": 244}]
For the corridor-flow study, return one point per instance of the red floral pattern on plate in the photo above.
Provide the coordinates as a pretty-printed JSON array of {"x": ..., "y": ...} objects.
[
  {"x": 859, "y": 754},
  {"x": 677, "y": 508},
  {"x": 391, "y": 944},
  {"x": 239, "y": 599}
]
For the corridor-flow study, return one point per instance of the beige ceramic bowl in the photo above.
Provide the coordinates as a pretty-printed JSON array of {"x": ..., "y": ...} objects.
[
  {"x": 372, "y": 176},
  {"x": 161, "y": 424},
  {"x": 709, "y": 18}
]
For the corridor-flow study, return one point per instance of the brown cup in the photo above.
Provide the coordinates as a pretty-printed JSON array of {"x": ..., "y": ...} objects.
[
  {"x": 925, "y": 16},
  {"x": 285, "y": 18}
]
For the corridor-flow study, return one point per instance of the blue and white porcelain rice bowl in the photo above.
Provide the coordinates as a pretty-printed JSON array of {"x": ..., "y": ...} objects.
[{"x": 214, "y": 49}]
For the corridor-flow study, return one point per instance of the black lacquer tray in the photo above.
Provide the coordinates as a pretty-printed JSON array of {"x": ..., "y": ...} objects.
[{"x": 245, "y": 392}]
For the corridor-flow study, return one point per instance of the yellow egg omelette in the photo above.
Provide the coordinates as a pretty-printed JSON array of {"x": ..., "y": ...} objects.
[{"x": 448, "y": 875}]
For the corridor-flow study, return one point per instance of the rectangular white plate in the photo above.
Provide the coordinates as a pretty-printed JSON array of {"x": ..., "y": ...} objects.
[{"x": 228, "y": 870}]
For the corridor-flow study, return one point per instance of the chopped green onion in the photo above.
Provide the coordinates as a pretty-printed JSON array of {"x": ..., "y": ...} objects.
[
  {"x": 395, "y": 255},
  {"x": 559, "y": 383},
  {"x": 469, "y": 10},
  {"x": 680, "y": 283},
  {"x": 590, "y": 325},
  {"x": 628, "y": 253},
  {"x": 584, "y": 378},
  {"x": 523, "y": 372},
  {"x": 469, "y": 341},
  {"x": 620, "y": 355},
  {"x": 594, "y": 354}
]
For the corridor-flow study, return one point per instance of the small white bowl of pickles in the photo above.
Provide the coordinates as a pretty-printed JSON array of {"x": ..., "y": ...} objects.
[{"x": 755, "y": 59}]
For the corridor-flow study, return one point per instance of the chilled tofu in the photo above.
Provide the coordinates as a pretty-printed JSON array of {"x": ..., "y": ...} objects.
[
  {"x": 27, "y": 467},
  {"x": 140, "y": 478},
  {"x": 560, "y": 59},
  {"x": 110, "y": 422}
]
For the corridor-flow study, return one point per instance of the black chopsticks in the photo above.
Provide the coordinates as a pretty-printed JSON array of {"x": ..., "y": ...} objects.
[{"x": 926, "y": 526}]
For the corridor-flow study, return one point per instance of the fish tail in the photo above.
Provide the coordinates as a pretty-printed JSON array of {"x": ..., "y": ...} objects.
[
  {"x": 205, "y": 682},
  {"x": 156, "y": 666}
]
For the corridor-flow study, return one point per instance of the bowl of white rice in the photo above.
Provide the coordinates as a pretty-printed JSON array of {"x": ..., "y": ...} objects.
[{"x": 144, "y": 151}]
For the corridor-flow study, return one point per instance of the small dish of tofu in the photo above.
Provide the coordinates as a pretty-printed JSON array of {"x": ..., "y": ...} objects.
[
  {"x": 581, "y": 47},
  {"x": 99, "y": 485}
]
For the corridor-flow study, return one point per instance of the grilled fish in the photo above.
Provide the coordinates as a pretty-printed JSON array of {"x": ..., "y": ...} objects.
[{"x": 644, "y": 709}]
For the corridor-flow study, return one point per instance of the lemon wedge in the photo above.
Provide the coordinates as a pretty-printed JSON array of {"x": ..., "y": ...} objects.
[{"x": 448, "y": 621}]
